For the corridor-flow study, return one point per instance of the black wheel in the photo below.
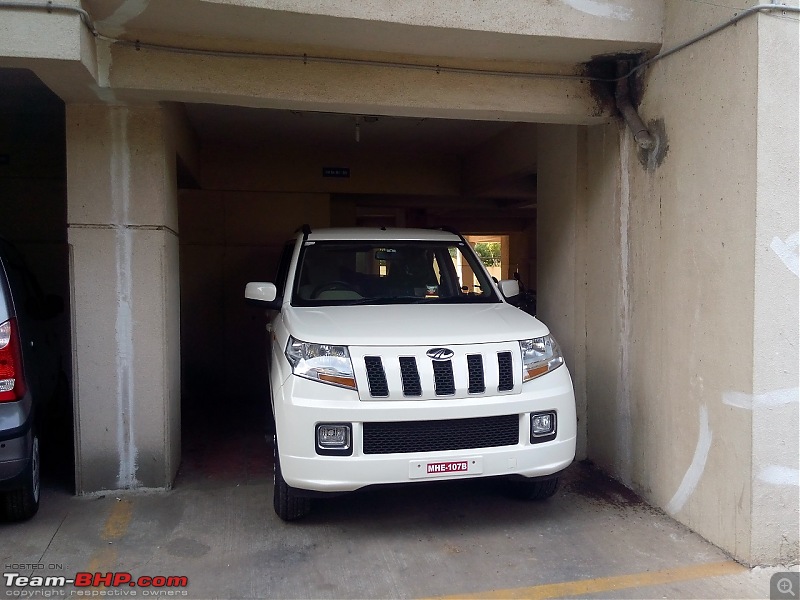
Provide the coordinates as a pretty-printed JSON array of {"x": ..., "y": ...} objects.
[
  {"x": 534, "y": 489},
  {"x": 288, "y": 505},
  {"x": 23, "y": 503}
]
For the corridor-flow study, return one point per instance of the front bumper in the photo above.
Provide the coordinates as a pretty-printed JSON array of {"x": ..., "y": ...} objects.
[{"x": 299, "y": 408}]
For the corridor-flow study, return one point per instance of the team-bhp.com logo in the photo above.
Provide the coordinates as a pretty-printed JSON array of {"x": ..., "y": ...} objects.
[{"x": 96, "y": 584}]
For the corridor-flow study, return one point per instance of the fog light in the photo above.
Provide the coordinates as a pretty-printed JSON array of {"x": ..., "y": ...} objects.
[
  {"x": 334, "y": 438},
  {"x": 543, "y": 427}
]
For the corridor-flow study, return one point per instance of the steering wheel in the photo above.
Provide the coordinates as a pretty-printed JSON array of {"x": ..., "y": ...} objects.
[{"x": 332, "y": 285}]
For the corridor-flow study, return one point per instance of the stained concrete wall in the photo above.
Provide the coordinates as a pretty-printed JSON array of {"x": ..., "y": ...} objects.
[
  {"x": 123, "y": 224},
  {"x": 708, "y": 286},
  {"x": 690, "y": 272}
]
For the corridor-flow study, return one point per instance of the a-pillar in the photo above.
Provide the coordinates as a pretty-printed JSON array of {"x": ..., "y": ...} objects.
[{"x": 123, "y": 236}]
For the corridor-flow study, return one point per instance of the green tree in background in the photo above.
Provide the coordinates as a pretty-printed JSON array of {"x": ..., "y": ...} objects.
[{"x": 489, "y": 253}]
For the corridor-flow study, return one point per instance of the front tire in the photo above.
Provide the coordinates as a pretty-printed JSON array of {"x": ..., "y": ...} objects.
[
  {"x": 23, "y": 503},
  {"x": 534, "y": 489},
  {"x": 288, "y": 505}
]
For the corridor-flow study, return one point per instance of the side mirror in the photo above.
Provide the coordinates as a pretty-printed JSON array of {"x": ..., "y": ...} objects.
[
  {"x": 509, "y": 287},
  {"x": 262, "y": 293}
]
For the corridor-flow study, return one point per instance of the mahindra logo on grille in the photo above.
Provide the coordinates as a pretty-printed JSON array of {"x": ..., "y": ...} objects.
[{"x": 440, "y": 354}]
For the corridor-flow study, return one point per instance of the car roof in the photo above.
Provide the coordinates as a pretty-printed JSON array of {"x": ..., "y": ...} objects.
[{"x": 382, "y": 233}]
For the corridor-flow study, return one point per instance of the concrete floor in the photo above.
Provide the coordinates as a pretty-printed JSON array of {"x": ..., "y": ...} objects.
[{"x": 464, "y": 539}]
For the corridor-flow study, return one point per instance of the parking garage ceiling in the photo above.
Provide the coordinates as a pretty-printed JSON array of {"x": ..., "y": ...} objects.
[
  {"x": 252, "y": 126},
  {"x": 336, "y": 133}
]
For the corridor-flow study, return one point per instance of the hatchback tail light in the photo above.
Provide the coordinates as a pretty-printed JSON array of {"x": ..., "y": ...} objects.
[{"x": 12, "y": 379}]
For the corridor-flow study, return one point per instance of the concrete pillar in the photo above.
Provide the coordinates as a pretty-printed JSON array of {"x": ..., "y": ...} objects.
[
  {"x": 775, "y": 520},
  {"x": 560, "y": 249},
  {"x": 123, "y": 223}
]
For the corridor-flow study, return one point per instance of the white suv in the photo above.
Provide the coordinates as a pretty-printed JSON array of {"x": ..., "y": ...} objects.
[{"x": 396, "y": 358}]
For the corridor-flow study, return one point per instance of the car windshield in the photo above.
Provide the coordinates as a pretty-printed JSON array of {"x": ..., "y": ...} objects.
[{"x": 350, "y": 273}]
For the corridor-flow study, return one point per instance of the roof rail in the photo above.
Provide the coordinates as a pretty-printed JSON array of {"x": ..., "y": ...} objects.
[
  {"x": 454, "y": 231},
  {"x": 306, "y": 229}
]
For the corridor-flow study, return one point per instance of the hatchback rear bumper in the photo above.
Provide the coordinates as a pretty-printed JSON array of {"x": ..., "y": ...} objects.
[{"x": 14, "y": 459}]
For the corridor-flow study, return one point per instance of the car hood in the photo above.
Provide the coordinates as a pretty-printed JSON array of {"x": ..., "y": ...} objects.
[{"x": 411, "y": 324}]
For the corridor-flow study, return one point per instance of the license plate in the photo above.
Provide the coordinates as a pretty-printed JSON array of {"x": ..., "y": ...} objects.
[{"x": 418, "y": 469}]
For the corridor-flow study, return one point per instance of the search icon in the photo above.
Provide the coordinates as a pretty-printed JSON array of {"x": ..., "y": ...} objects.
[{"x": 785, "y": 587}]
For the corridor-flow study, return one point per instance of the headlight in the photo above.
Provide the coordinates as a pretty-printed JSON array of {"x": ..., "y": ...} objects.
[
  {"x": 539, "y": 356},
  {"x": 321, "y": 362}
]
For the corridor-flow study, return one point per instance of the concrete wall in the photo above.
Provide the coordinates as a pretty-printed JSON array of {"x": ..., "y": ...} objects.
[
  {"x": 690, "y": 272},
  {"x": 560, "y": 285},
  {"x": 228, "y": 239},
  {"x": 267, "y": 168}
]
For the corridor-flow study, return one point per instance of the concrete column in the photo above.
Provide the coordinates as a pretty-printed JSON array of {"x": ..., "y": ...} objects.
[
  {"x": 560, "y": 243},
  {"x": 123, "y": 222},
  {"x": 775, "y": 522}
]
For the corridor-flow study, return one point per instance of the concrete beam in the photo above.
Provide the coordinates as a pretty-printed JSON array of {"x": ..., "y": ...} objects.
[
  {"x": 56, "y": 46},
  {"x": 565, "y": 32},
  {"x": 155, "y": 75}
]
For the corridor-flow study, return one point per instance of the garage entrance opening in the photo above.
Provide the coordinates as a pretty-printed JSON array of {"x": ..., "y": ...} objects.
[{"x": 262, "y": 173}]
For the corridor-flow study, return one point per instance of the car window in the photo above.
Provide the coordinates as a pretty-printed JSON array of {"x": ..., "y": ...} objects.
[{"x": 389, "y": 273}]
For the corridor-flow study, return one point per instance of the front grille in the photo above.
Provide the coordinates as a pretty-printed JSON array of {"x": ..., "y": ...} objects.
[
  {"x": 437, "y": 436},
  {"x": 506, "y": 379},
  {"x": 475, "y": 368},
  {"x": 410, "y": 376},
  {"x": 376, "y": 376},
  {"x": 443, "y": 381}
]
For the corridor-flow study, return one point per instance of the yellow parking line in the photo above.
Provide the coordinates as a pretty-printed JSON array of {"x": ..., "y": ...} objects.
[
  {"x": 115, "y": 527},
  {"x": 605, "y": 584},
  {"x": 118, "y": 520},
  {"x": 103, "y": 560}
]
